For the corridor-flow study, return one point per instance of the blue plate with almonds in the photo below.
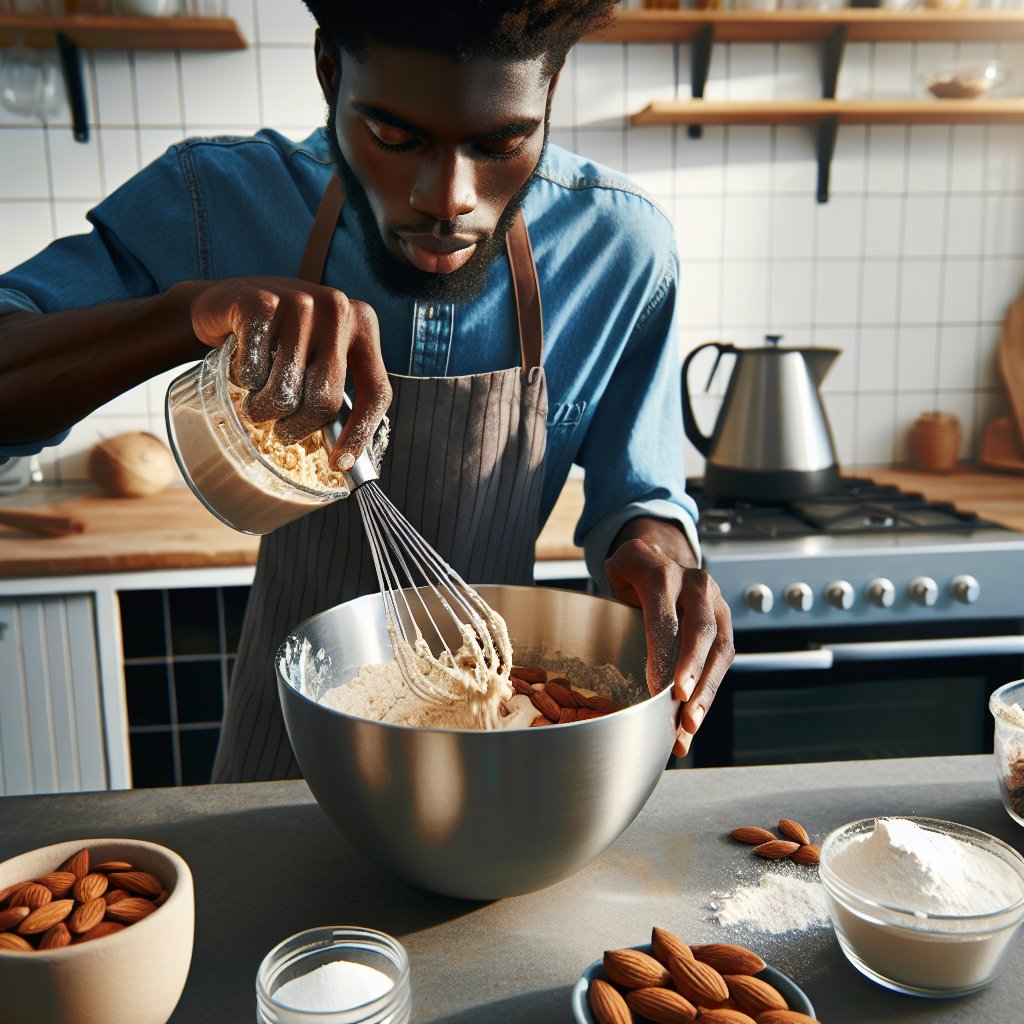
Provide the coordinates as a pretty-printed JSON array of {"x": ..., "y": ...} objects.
[{"x": 787, "y": 988}]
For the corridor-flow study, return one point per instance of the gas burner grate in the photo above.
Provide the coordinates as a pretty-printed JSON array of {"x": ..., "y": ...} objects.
[{"x": 858, "y": 507}]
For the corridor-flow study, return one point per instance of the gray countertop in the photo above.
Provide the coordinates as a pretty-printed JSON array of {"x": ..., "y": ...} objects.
[{"x": 267, "y": 863}]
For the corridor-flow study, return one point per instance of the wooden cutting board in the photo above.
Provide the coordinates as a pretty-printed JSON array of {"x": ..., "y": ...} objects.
[{"x": 1011, "y": 359}]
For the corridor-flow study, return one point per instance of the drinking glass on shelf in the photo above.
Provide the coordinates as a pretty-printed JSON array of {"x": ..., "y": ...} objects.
[{"x": 204, "y": 8}]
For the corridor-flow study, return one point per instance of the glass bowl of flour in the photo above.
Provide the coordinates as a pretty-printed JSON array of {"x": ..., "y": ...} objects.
[
  {"x": 1007, "y": 707},
  {"x": 922, "y": 906}
]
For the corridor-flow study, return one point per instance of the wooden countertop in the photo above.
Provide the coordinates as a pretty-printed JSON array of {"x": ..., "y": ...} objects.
[{"x": 171, "y": 530}]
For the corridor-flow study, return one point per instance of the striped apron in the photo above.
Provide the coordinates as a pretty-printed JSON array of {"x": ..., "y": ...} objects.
[{"x": 465, "y": 466}]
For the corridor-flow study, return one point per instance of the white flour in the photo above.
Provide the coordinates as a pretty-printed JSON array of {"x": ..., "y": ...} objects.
[
  {"x": 331, "y": 987},
  {"x": 1010, "y": 713},
  {"x": 778, "y": 902},
  {"x": 913, "y": 868},
  {"x": 379, "y": 693}
]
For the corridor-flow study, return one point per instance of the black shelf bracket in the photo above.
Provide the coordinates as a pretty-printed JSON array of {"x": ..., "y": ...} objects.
[
  {"x": 825, "y": 145},
  {"x": 831, "y": 59},
  {"x": 71, "y": 65},
  {"x": 700, "y": 64}
]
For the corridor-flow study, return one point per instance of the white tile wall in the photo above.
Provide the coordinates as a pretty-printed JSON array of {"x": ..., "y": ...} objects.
[{"x": 908, "y": 269}]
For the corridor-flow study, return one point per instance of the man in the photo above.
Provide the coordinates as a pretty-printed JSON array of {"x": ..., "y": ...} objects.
[{"x": 401, "y": 250}]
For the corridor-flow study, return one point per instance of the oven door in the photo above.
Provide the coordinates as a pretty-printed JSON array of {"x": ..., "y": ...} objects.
[{"x": 859, "y": 694}]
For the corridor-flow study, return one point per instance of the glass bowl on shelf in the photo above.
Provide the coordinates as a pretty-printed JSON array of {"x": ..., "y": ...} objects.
[{"x": 964, "y": 80}]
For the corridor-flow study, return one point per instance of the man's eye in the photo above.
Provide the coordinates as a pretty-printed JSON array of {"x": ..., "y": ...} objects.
[
  {"x": 389, "y": 135},
  {"x": 503, "y": 147}
]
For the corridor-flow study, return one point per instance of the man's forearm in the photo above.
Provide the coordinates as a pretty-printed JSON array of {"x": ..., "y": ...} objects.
[{"x": 56, "y": 368}]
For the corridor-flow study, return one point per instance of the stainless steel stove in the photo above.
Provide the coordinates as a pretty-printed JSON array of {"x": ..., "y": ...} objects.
[{"x": 869, "y": 623}]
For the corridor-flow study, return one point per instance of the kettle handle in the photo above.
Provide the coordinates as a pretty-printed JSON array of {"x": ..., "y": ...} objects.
[{"x": 701, "y": 441}]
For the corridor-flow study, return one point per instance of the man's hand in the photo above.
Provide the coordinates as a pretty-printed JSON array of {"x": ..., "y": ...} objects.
[
  {"x": 295, "y": 342},
  {"x": 653, "y": 567}
]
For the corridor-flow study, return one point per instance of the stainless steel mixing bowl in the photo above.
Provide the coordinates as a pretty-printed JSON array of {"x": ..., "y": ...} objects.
[{"x": 478, "y": 815}]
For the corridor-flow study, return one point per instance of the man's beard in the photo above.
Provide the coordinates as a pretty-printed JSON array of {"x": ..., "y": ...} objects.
[{"x": 403, "y": 279}]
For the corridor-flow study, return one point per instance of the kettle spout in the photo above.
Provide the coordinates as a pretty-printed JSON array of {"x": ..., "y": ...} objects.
[{"x": 819, "y": 362}]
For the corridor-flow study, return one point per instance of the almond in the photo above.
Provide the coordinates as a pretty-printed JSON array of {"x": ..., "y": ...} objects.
[
  {"x": 140, "y": 882},
  {"x": 666, "y": 944},
  {"x": 697, "y": 981},
  {"x": 521, "y": 687},
  {"x": 7, "y": 893},
  {"x": 752, "y": 995},
  {"x": 607, "y": 1006},
  {"x": 130, "y": 909},
  {"x": 12, "y": 916},
  {"x": 561, "y": 695},
  {"x": 545, "y": 705},
  {"x": 56, "y": 938},
  {"x": 540, "y": 720},
  {"x": 776, "y": 849},
  {"x": 114, "y": 865},
  {"x": 726, "y": 1016},
  {"x": 11, "y": 943},
  {"x": 729, "y": 959},
  {"x": 58, "y": 882},
  {"x": 113, "y": 895},
  {"x": 633, "y": 969},
  {"x": 88, "y": 887},
  {"x": 103, "y": 928},
  {"x": 77, "y": 864},
  {"x": 794, "y": 830},
  {"x": 45, "y": 917},
  {"x": 586, "y": 714},
  {"x": 785, "y": 1017},
  {"x": 32, "y": 896},
  {"x": 581, "y": 692},
  {"x": 566, "y": 715},
  {"x": 661, "y": 1005},
  {"x": 161, "y": 899},
  {"x": 752, "y": 834},
  {"x": 600, "y": 703},
  {"x": 529, "y": 673},
  {"x": 87, "y": 915},
  {"x": 807, "y": 854}
]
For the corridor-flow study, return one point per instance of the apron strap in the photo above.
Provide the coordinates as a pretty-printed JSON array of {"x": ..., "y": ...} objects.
[
  {"x": 314, "y": 257},
  {"x": 525, "y": 285}
]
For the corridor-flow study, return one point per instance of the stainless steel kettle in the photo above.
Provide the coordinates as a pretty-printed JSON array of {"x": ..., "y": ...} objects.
[{"x": 772, "y": 440}]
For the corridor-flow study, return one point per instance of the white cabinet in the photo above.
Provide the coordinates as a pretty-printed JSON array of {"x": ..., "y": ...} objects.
[{"x": 52, "y": 736}]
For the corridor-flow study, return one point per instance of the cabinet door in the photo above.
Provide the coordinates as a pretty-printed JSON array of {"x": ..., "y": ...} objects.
[{"x": 51, "y": 729}]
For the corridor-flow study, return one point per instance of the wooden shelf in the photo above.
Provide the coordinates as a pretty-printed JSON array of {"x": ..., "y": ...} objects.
[
  {"x": 860, "y": 24},
  {"x": 99, "y": 32},
  {"x": 924, "y": 111}
]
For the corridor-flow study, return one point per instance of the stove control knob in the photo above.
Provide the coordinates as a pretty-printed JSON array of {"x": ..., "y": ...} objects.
[
  {"x": 965, "y": 589},
  {"x": 880, "y": 591},
  {"x": 759, "y": 598},
  {"x": 799, "y": 597},
  {"x": 840, "y": 595},
  {"x": 924, "y": 590}
]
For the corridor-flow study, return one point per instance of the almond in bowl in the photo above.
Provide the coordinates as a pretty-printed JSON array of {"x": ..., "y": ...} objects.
[{"x": 94, "y": 930}]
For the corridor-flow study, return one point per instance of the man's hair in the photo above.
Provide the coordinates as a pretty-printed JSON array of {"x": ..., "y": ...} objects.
[{"x": 461, "y": 29}]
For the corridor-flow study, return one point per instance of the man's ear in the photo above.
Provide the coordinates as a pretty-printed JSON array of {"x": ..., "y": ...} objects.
[
  {"x": 554, "y": 83},
  {"x": 327, "y": 68}
]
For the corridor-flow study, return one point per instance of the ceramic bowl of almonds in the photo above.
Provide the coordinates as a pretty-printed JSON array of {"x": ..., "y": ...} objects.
[
  {"x": 94, "y": 931},
  {"x": 668, "y": 981}
]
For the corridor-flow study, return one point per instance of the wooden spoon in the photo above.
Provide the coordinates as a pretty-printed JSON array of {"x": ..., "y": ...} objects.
[{"x": 46, "y": 524}]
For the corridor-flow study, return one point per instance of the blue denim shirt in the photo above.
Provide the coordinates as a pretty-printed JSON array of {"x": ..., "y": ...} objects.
[{"x": 606, "y": 260}]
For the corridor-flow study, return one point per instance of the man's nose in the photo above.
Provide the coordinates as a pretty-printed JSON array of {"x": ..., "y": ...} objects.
[{"x": 445, "y": 186}]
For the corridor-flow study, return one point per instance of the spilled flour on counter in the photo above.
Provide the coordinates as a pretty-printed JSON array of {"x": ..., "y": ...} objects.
[{"x": 777, "y": 902}]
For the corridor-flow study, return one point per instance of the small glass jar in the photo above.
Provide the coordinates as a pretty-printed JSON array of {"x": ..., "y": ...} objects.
[
  {"x": 375, "y": 958},
  {"x": 1007, "y": 707},
  {"x": 219, "y": 461}
]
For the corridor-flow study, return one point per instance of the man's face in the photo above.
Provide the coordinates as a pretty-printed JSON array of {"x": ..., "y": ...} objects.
[{"x": 436, "y": 157}]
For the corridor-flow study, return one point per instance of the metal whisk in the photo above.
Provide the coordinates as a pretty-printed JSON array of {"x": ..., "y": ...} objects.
[{"x": 409, "y": 573}]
